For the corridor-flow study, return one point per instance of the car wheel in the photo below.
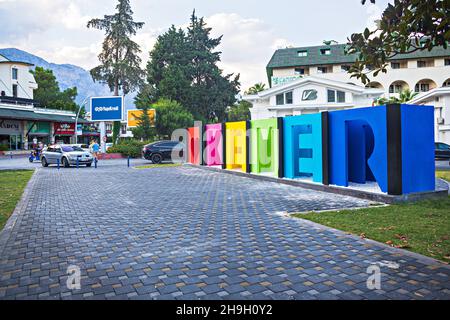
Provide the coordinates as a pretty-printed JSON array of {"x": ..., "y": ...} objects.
[
  {"x": 156, "y": 158},
  {"x": 44, "y": 162},
  {"x": 65, "y": 162},
  {"x": 88, "y": 164}
]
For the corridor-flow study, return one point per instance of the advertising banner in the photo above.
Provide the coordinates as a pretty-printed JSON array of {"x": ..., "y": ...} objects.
[{"x": 107, "y": 108}]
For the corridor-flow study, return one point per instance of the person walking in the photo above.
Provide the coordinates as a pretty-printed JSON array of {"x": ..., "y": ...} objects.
[{"x": 95, "y": 148}]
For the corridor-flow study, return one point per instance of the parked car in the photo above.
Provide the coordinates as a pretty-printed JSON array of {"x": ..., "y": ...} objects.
[
  {"x": 67, "y": 156},
  {"x": 442, "y": 151},
  {"x": 85, "y": 147},
  {"x": 162, "y": 150}
]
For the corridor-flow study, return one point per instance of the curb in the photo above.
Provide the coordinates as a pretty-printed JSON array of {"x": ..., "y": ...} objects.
[{"x": 421, "y": 258}]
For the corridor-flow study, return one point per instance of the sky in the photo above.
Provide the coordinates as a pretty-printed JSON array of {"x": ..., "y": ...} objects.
[{"x": 252, "y": 29}]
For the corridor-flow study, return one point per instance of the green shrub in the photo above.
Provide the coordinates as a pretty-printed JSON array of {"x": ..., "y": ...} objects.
[{"x": 128, "y": 148}]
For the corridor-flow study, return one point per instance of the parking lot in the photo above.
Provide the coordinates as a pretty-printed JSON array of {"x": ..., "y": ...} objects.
[{"x": 188, "y": 233}]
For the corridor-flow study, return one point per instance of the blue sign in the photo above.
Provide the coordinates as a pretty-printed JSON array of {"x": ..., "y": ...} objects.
[{"x": 107, "y": 109}]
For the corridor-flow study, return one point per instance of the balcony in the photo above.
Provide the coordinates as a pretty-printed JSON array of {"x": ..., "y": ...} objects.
[{"x": 17, "y": 101}]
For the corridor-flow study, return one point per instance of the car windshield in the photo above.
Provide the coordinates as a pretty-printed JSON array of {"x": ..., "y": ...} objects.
[{"x": 71, "y": 148}]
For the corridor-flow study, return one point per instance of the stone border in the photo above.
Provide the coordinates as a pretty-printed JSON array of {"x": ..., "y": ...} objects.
[
  {"x": 384, "y": 198},
  {"x": 6, "y": 233},
  {"x": 419, "y": 257}
]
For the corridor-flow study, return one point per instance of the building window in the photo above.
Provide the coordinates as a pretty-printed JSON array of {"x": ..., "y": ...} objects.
[
  {"x": 331, "y": 95},
  {"x": 422, "y": 87},
  {"x": 289, "y": 99},
  {"x": 421, "y": 64},
  {"x": 14, "y": 90},
  {"x": 395, "y": 65},
  {"x": 280, "y": 99},
  {"x": 15, "y": 73},
  {"x": 322, "y": 70},
  {"x": 299, "y": 71},
  {"x": 447, "y": 62},
  {"x": 325, "y": 52},
  {"x": 345, "y": 68},
  {"x": 302, "y": 53},
  {"x": 340, "y": 96},
  {"x": 395, "y": 88}
]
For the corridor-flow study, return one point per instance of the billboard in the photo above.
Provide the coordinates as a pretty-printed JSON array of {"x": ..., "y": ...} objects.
[
  {"x": 134, "y": 115},
  {"x": 63, "y": 128},
  {"x": 107, "y": 108}
]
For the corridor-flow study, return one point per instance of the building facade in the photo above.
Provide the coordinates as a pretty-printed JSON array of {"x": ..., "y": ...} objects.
[
  {"x": 22, "y": 124},
  {"x": 420, "y": 71},
  {"x": 307, "y": 95}
]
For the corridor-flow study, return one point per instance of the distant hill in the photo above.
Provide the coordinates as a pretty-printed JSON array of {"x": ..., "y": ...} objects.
[{"x": 68, "y": 75}]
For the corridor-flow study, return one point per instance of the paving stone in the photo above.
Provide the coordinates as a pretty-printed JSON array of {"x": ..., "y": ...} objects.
[{"x": 198, "y": 235}]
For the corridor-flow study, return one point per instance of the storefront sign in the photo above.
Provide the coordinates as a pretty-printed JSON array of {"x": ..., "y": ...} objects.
[
  {"x": 107, "y": 109},
  {"x": 277, "y": 81},
  {"x": 134, "y": 115},
  {"x": 10, "y": 126},
  {"x": 64, "y": 128}
]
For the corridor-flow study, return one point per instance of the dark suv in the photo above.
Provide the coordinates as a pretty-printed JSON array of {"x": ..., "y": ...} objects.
[
  {"x": 442, "y": 151},
  {"x": 162, "y": 150}
]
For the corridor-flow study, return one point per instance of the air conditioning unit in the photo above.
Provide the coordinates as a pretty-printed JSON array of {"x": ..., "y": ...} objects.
[{"x": 440, "y": 120}]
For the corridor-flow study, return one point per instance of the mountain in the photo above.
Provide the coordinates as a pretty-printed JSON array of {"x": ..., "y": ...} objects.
[{"x": 68, "y": 75}]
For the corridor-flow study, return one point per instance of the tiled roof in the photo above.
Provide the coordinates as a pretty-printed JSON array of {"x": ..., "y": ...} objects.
[{"x": 289, "y": 57}]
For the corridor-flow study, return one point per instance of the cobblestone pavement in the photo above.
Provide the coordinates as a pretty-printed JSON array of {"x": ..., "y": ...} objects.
[{"x": 188, "y": 233}]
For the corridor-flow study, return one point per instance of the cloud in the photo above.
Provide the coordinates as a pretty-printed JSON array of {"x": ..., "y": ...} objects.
[{"x": 247, "y": 45}]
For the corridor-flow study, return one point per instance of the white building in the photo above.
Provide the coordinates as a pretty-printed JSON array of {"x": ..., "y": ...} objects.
[
  {"x": 309, "y": 94},
  {"x": 15, "y": 79},
  {"x": 440, "y": 99},
  {"x": 420, "y": 71}
]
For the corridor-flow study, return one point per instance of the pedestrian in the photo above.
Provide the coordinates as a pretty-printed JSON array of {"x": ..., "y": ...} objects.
[{"x": 95, "y": 148}]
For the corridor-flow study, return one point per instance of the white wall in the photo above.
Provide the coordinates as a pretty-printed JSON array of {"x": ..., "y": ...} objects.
[
  {"x": 26, "y": 82},
  {"x": 411, "y": 75}
]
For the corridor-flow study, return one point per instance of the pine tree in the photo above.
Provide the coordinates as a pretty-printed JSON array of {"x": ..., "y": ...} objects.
[
  {"x": 183, "y": 67},
  {"x": 120, "y": 62}
]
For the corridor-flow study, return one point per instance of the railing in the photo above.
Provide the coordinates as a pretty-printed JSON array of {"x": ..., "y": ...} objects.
[{"x": 17, "y": 101}]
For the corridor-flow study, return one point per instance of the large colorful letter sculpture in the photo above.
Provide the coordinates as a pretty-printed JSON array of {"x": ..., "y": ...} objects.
[
  {"x": 264, "y": 140},
  {"x": 213, "y": 152},
  {"x": 236, "y": 142},
  {"x": 305, "y": 147},
  {"x": 194, "y": 145},
  {"x": 392, "y": 145}
]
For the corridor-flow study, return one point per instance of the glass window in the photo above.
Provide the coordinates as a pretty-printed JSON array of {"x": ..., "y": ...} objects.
[
  {"x": 280, "y": 99},
  {"x": 15, "y": 73},
  {"x": 421, "y": 64},
  {"x": 326, "y": 51},
  {"x": 395, "y": 65},
  {"x": 299, "y": 71},
  {"x": 302, "y": 53},
  {"x": 14, "y": 90},
  {"x": 447, "y": 62},
  {"x": 289, "y": 97},
  {"x": 322, "y": 69},
  {"x": 331, "y": 96},
  {"x": 345, "y": 68},
  {"x": 340, "y": 96}
]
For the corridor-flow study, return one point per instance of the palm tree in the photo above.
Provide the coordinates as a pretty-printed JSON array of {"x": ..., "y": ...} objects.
[
  {"x": 257, "y": 87},
  {"x": 404, "y": 96}
]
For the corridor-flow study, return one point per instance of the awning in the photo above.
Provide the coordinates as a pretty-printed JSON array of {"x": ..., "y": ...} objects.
[{"x": 36, "y": 116}]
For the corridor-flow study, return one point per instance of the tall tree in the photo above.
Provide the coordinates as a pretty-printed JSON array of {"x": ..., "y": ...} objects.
[
  {"x": 49, "y": 95},
  {"x": 170, "y": 115},
  {"x": 120, "y": 61},
  {"x": 144, "y": 129},
  {"x": 406, "y": 26},
  {"x": 183, "y": 67}
]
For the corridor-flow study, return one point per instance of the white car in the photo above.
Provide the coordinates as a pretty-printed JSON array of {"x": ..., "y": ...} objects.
[{"x": 85, "y": 147}]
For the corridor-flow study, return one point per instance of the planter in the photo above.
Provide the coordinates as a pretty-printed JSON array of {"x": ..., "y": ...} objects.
[{"x": 110, "y": 156}]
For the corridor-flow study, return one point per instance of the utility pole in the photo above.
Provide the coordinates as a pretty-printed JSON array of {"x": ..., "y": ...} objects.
[{"x": 76, "y": 118}]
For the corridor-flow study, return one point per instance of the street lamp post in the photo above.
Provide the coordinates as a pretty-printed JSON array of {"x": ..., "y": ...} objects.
[{"x": 76, "y": 119}]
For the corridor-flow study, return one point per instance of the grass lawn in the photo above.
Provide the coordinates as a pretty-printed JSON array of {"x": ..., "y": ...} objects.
[
  {"x": 422, "y": 227},
  {"x": 163, "y": 165},
  {"x": 443, "y": 175},
  {"x": 12, "y": 184}
]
